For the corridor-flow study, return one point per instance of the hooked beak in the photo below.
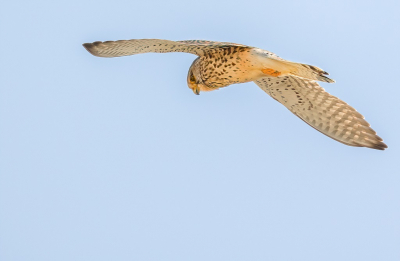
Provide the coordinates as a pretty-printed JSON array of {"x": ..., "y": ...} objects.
[
  {"x": 196, "y": 90},
  {"x": 194, "y": 86}
]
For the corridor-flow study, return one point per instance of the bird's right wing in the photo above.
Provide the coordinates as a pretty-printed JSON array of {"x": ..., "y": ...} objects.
[
  {"x": 322, "y": 111},
  {"x": 137, "y": 46}
]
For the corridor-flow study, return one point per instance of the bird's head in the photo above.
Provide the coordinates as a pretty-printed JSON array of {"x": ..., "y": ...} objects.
[{"x": 193, "y": 79}]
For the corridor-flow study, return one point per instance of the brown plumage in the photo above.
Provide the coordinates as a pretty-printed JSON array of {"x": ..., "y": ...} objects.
[{"x": 294, "y": 85}]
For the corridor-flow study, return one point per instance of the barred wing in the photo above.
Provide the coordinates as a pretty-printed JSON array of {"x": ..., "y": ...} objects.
[
  {"x": 137, "y": 46},
  {"x": 322, "y": 111}
]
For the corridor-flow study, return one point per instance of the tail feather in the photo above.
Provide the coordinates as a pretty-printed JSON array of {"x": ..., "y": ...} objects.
[{"x": 309, "y": 72}]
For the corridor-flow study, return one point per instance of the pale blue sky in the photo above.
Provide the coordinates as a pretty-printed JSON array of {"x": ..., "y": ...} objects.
[{"x": 117, "y": 159}]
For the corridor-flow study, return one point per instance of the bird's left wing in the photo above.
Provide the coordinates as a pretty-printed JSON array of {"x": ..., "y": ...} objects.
[
  {"x": 137, "y": 46},
  {"x": 322, "y": 111}
]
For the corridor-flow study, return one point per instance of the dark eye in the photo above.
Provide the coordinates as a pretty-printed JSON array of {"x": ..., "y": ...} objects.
[{"x": 192, "y": 78}]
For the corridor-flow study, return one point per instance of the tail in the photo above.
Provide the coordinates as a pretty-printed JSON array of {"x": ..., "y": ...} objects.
[{"x": 309, "y": 72}]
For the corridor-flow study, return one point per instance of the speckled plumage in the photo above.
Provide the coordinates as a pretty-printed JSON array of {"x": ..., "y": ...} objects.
[{"x": 221, "y": 64}]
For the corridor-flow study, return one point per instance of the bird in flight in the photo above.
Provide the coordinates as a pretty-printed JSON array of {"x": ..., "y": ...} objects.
[{"x": 220, "y": 64}]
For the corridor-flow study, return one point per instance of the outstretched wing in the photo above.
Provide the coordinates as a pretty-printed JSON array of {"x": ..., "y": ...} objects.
[
  {"x": 322, "y": 111},
  {"x": 137, "y": 46}
]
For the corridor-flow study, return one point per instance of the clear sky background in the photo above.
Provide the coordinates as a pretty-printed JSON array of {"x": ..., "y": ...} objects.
[{"x": 117, "y": 159}]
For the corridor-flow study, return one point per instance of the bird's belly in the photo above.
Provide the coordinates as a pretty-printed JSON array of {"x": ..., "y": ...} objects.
[
  {"x": 225, "y": 79},
  {"x": 238, "y": 69}
]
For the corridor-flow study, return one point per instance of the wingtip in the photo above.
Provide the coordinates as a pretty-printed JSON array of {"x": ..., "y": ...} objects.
[
  {"x": 86, "y": 45},
  {"x": 380, "y": 146},
  {"x": 326, "y": 79},
  {"x": 90, "y": 48}
]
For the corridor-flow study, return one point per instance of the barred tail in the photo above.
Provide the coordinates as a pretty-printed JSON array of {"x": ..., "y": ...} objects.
[{"x": 309, "y": 72}]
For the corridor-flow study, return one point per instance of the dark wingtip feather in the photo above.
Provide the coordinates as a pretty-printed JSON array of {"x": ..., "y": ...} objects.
[
  {"x": 325, "y": 79},
  {"x": 380, "y": 146},
  {"x": 89, "y": 48}
]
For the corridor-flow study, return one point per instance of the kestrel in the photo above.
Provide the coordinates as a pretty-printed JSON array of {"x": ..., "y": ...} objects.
[{"x": 221, "y": 64}]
